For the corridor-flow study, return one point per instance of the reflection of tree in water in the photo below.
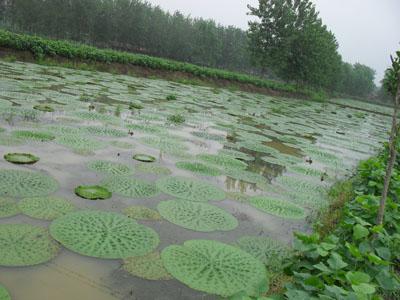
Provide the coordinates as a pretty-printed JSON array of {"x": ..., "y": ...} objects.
[{"x": 258, "y": 166}]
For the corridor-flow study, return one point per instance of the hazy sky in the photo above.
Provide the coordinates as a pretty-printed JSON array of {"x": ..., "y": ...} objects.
[{"x": 367, "y": 30}]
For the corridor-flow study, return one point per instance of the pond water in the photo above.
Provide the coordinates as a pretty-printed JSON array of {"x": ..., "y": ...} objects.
[{"x": 243, "y": 144}]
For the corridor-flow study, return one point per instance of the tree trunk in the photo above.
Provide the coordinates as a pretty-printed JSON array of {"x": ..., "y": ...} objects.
[{"x": 391, "y": 158}]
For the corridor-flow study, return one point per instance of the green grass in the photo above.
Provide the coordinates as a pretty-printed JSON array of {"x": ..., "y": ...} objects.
[{"x": 43, "y": 49}]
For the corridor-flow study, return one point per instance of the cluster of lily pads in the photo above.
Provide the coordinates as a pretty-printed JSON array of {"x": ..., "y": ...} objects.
[{"x": 272, "y": 156}]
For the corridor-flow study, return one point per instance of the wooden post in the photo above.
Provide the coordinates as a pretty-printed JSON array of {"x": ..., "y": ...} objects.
[{"x": 392, "y": 156}]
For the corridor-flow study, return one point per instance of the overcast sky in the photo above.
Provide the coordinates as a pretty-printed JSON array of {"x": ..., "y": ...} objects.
[{"x": 367, "y": 30}]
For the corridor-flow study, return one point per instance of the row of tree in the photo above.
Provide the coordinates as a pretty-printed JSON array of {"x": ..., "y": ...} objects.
[
  {"x": 288, "y": 42},
  {"x": 289, "y": 37},
  {"x": 132, "y": 25}
]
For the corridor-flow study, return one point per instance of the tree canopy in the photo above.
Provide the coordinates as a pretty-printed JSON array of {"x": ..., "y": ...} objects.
[{"x": 290, "y": 38}]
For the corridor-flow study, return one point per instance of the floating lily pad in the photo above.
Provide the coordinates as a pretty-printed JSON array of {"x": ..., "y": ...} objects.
[
  {"x": 37, "y": 136},
  {"x": 199, "y": 168},
  {"x": 141, "y": 213},
  {"x": 93, "y": 192},
  {"x": 8, "y": 208},
  {"x": 214, "y": 267},
  {"x": 103, "y": 234},
  {"x": 222, "y": 161},
  {"x": 300, "y": 185},
  {"x": 16, "y": 183},
  {"x": 10, "y": 140},
  {"x": 269, "y": 251},
  {"x": 236, "y": 154},
  {"x": 21, "y": 158},
  {"x": 80, "y": 144},
  {"x": 103, "y": 131},
  {"x": 148, "y": 267},
  {"x": 280, "y": 208},
  {"x": 153, "y": 169},
  {"x": 25, "y": 245},
  {"x": 46, "y": 208},
  {"x": 190, "y": 189},
  {"x": 109, "y": 167},
  {"x": 144, "y": 158},
  {"x": 197, "y": 216},
  {"x": 130, "y": 187},
  {"x": 4, "y": 295},
  {"x": 44, "y": 107}
]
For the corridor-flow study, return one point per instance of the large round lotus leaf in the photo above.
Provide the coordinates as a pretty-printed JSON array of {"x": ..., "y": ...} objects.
[
  {"x": 199, "y": 168},
  {"x": 153, "y": 169},
  {"x": 148, "y": 267},
  {"x": 103, "y": 234},
  {"x": 16, "y": 183},
  {"x": 197, "y": 216},
  {"x": 257, "y": 147},
  {"x": 109, "y": 167},
  {"x": 80, "y": 144},
  {"x": 9, "y": 140},
  {"x": 269, "y": 251},
  {"x": 38, "y": 136},
  {"x": 141, "y": 213},
  {"x": 8, "y": 208},
  {"x": 190, "y": 189},
  {"x": 214, "y": 267},
  {"x": 4, "y": 295},
  {"x": 300, "y": 185},
  {"x": 46, "y": 208},
  {"x": 102, "y": 131},
  {"x": 25, "y": 245},
  {"x": 223, "y": 161},
  {"x": 21, "y": 158},
  {"x": 144, "y": 158},
  {"x": 93, "y": 192},
  {"x": 280, "y": 208},
  {"x": 236, "y": 154},
  {"x": 44, "y": 107},
  {"x": 130, "y": 187}
]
